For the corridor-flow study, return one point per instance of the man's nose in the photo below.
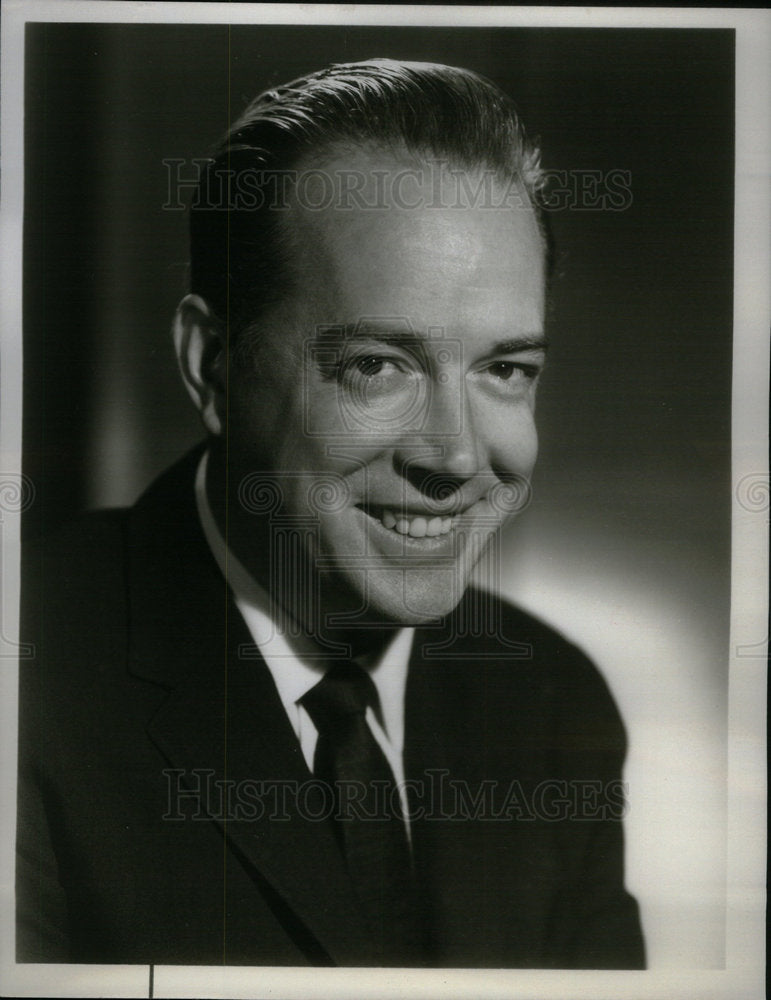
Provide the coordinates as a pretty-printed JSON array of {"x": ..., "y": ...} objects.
[{"x": 445, "y": 451}]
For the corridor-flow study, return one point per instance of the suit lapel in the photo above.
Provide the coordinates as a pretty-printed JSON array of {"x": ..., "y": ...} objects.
[{"x": 223, "y": 715}]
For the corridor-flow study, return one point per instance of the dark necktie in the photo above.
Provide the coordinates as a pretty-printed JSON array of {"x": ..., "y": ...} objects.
[{"x": 368, "y": 818}]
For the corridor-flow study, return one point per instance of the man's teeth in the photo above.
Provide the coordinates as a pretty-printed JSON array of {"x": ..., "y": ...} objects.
[{"x": 416, "y": 527}]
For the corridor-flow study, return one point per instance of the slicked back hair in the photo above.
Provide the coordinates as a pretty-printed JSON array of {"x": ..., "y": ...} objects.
[{"x": 240, "y": 254}]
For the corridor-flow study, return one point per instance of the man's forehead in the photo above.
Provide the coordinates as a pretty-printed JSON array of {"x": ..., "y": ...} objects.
[
  {"x": 445, "y": 264},
  {"x": 403, "y": 209},
  {"x": 374, "y": 177}
]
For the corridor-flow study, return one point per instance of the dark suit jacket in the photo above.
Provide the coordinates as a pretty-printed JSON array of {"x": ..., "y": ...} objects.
[{"x": 144, "y": 685}]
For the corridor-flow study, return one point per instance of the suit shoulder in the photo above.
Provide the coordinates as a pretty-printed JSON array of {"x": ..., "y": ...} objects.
[
  {"x": 73, "y": 580},
  {"x": 578, "y": 692},
  {"x": 504, "y": 622}
]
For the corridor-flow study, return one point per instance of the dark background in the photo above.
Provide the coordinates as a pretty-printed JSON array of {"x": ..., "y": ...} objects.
[{"x": 627, "y": 543}]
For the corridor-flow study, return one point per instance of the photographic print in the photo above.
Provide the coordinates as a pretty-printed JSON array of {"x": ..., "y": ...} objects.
[{"x": 384, "y": 422}]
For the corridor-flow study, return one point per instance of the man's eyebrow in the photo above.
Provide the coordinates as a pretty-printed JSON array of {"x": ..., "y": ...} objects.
[
  {"x": 403, "y": 332},
  {"x": 513, "y": 345},
  {"x": 398, "y": 331}
]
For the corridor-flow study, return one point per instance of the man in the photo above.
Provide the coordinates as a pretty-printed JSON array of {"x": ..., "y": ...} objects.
[{"x": 267, "y": 720}]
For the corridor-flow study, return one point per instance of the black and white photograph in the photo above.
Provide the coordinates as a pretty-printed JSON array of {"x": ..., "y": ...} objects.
[{"x": 384, "y": 500}]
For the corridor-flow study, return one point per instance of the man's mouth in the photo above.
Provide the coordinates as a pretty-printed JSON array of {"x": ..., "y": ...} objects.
[{"x": 416, "y": 525}]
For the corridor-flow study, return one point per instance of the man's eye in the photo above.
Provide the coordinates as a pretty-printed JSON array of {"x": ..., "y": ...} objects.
[
  {"x": 502, "y": 369},
  {"x": 505, "y": 370},
  {"x": 372, "y": 369},
  {"x": 370, "y": 366},
  {"x": 375, "y": 376}
]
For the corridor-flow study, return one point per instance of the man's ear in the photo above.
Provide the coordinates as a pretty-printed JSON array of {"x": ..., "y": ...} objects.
[{"x": 201, "y": 351}]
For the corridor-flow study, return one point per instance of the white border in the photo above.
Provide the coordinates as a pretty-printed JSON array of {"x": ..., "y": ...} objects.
[
  {"x": 745, "y": 961},
  {"x": 363, "y": 15}
]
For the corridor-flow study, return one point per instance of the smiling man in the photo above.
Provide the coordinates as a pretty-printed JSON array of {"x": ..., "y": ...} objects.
[
  {"x": 402, "y": 367},
  {"x": 269, "y": 722}
]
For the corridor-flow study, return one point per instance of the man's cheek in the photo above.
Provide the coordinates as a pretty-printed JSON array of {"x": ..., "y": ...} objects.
[
  {"x": 327, "y": 444},
  {"x": 514, "y": 444},
  {"x": 322, "y": 411}
]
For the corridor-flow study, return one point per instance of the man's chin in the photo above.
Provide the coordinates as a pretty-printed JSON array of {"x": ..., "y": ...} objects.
[{"x": 412, "y": 597}]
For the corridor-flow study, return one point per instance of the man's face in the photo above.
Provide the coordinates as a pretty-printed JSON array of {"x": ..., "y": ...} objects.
[{"x": 402, "y": 376}]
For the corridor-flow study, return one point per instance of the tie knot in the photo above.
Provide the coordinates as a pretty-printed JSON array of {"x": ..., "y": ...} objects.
[{"x": 344, "y": 691}]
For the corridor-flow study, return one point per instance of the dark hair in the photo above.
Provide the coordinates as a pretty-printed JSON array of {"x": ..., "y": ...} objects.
[{"x": 239, "y": 249}]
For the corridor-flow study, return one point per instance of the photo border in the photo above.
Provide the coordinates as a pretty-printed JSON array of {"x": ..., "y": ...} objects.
[{"x": 746, "y": 810}]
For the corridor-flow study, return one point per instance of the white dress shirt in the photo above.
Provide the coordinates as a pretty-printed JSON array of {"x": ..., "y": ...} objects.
[{"x": 296, "y": 664}]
